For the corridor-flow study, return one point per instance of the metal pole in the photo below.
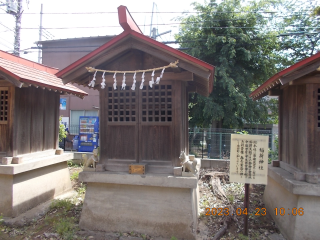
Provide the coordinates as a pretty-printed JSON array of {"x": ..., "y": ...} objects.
[
  {"x": 40, "y": 34},
  {"x": 220, "y": 144},
  {"x": 17, "y": 29},
  {"x": 151, "y": 20},
  {"x": 246, "y": 206},
  {"x": 202, "y": 141}
]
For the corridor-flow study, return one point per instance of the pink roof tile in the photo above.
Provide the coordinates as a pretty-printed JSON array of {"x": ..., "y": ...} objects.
[{"x": 29, "y": 72}]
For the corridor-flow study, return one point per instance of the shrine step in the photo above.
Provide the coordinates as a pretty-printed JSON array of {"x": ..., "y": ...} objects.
[{"x": 124, "y": 167}]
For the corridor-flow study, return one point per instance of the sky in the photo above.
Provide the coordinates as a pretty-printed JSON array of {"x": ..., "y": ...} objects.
[{"x": 101, "y": 18}]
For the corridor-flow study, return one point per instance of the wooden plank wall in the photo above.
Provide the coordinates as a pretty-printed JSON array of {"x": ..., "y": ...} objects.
[
  {"x": 36, "y": 118},
  {"x": 316, "y": 159},
  {"x": 293, "y": 124},
  {"x": 313, "y": 131}
]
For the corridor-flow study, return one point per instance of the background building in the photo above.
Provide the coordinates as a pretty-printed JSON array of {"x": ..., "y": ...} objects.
[{"x": 61, "y": 53}]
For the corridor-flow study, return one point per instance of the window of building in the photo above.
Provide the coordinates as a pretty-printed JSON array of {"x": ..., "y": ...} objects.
[
  {"x": 74, "y": 120},
  {"x": 4, "y": 105},
  {"x": 155, "y": 104}
]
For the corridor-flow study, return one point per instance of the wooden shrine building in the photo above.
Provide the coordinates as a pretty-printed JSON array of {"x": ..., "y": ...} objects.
[
  {"x": 29, "y": 130},
  {"x": 294, "y": 179},
  {"x": 141, "y": 122},
  {"x": 148, "y": 125}
]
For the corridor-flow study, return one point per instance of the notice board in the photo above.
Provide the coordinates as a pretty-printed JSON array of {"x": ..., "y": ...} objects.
[{"x": 249, "y": 159}]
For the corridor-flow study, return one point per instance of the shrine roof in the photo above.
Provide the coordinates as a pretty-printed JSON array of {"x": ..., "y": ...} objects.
[
  {"x": 22, "y": 72},
  {"x": 132, "y": 38},
  {"x": 300, "y": 69}
]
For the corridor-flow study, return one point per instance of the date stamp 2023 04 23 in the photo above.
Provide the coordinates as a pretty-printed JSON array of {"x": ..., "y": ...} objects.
[{"x": 257, "y": 212}]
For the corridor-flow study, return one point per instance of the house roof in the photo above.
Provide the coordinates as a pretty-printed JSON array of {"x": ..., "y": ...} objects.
[
  {"x": 204, "y": 72},
  {"x": 290, "y": 74},
  {"x": 22, "y": 72}
]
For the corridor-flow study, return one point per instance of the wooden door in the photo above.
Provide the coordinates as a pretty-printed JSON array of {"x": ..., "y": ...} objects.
[
  {"x": 138, "y": 125},
  {"x": 4, "y": 120}
]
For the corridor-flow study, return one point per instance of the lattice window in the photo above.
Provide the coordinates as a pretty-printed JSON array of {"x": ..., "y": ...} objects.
[
  {"x": 157, "y": 103},
  {"x": 121, "y": 105},
  {"x": 4, "y": 105},
  {"x": 319, "y": 108}
]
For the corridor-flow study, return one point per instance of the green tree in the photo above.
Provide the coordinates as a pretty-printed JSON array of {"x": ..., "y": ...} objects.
[
  {"x": 299, "y": 30},
  {"x": 233, "y": 37},
  {"x": 62, "y": 130}
]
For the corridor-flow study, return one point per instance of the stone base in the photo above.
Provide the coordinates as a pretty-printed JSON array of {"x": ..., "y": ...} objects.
[
  {"x": 158, "y": 205},
  {"x": 26, "y": 185},
  {"x": 283, "y": 191}
]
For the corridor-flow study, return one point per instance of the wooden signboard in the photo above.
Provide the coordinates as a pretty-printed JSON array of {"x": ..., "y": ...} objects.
[{"x": 249, "y": 159}]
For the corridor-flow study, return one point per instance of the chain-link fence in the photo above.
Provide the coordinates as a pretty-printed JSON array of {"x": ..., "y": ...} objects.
[{"x": 214, "y": 143}]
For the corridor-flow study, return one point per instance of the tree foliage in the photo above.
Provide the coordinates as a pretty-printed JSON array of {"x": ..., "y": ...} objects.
[
  {"x": 299, "y": 32},
  {"x": 234, "y": 38},
  {"x": 62, "y": 130}
]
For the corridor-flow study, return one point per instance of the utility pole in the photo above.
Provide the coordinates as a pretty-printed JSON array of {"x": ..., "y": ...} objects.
[
  {"x": 151, "y": 20},
  {"x": 40, "y": 34},
  {"x": 17, "y": 16}
]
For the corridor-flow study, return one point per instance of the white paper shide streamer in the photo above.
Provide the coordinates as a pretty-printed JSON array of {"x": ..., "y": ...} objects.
[
  {"x": 103, "y": 83},
  {"x": 152, "y": 80},
  {"x": 115, "y": 81},
  {"x": 134, "y": 82},
  {"x": 93, "y": 82},
  {"x": 142, "y": 80},
  {"x": 123, "y": 86},
  {"x": 161, "y": 75}
]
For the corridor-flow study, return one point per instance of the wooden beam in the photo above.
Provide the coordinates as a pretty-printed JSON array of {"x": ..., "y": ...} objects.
[
  {"x": 170, "y": 58},
  {"x": 300, "y": 73},
  {"x": 97, "y": 60},
  {"x": 11, "y": 79},
  {"x": 126, "y": 21},
  {"x": 313, "y": 79},
  {"x": 274, "y": 92}
]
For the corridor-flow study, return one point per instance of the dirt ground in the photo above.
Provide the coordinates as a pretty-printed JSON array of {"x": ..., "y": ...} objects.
[{"x": 219, "y": 199}]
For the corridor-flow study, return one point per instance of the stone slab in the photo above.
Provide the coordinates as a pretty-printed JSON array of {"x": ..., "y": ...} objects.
[
  {"x": 34, "y": 163},
  {"x": 156, "y": 180},
  {"x": 312, "y": 178},
  {"x": 214, "y": 163},
  {"x": 6, "y": 160},
  {"x": 293, "y": 226},
  {"x": 177, "y": 171},
  {"x": 17, "y": 160},
  {"x": 24, "y": 186},
  {"x": 154, "y": 210},
  {"x": 287, "y": 181}
]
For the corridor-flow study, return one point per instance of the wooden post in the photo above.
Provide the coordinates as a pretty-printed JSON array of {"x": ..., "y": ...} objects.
[{"x": 246, "y": 206}]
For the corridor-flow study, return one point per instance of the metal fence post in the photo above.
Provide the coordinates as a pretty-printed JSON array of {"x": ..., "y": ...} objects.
[
  {"x": 220, "y": 144},
  {"x": 202, "y": 142}
]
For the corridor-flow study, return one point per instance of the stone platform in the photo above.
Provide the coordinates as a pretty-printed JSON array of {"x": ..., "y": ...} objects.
[
  {"x": 283, "y": 191},
  {"x": 154, "y": 204},
  {"x": 41, "y": 177}
]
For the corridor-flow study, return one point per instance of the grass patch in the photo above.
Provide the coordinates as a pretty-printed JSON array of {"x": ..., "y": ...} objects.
[
  {"x": 61, "y": 203},
  {"x": 72, "y": 164},
  {"x": 74, "y": 176},
  {"x": 65, "y": 228},
  {"x": 82, "y": 189}
]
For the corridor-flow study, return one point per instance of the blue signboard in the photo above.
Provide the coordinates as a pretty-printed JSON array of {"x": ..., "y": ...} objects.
[{"x": 63, "y": 104}]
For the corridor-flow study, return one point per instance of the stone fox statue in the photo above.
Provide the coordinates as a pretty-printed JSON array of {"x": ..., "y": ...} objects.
[
  {"x": 92, "y": 160},
  {"x": 188, "y": 166}
]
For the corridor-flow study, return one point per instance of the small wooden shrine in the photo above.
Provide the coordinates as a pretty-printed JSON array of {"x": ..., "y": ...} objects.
[
  {"x": 139, "y": 123},
  {"x": 143, "y": 86},
  {"x": 294, "y": 179},
  {"x": 29, "y": 131}
]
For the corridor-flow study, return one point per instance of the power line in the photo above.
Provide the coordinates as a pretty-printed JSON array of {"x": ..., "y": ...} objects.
[
  {"x": 256, "y": 12},
  {"x": 169, "y": 24}
]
